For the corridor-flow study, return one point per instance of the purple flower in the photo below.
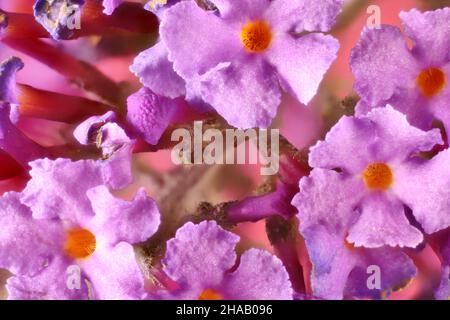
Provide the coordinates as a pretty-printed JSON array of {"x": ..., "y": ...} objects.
[
  {"x": 111, "y": 5},
  {"x": 150, "y": 114},
  {"x": 242, "y": 82},
  {"x": 12, "y": 140},
  {"x": 378, "y": 156},
  {"x": 116, "y": 146},
  {"x": 76, "y": 255},
  {"x": 326, "y": 205},
  {"x": 415, "y": 81},
  {"x": 58, "y": 16},
  {"x": 202, "y": 260}
]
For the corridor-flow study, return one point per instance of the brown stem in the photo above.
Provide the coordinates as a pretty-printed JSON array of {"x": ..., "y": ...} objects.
[{"x": 81, "y": 73}]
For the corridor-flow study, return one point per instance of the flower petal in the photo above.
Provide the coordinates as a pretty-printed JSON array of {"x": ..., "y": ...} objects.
[
  {"x": 155, "y": 71},
  {"x": 114, "y": 273},
  {"x": 58, "y": 188},
  {"x": 119, "y": 220},
  {"x": 313, "y": 54},
  {"x": 245, "y": 93},
  {"x": 383, "y": 222},
  {"x": 306, "y": 15},
  {"x": 26, "y": 244},
  {"x": 423, "y": 186},
  {"x": 260, "y": 276},
  {"x": 199, "y": 255},
  {"x": 195, "y": 39},
  {"x": 50, "y": 284},
  {"x": 430, "y": 32},
  {"x": 382, "y": 63},
  {"x": 328, "y": 199}
]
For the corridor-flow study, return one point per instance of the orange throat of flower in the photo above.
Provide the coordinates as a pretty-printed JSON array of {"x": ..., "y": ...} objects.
[
  {"x": 256, "y": 36},
  {"x": 378, "y": 176},
  {"x": 431, "y": 81},
  {"x": 210, "y": 294},
  {"x": 80, "y": 243}
]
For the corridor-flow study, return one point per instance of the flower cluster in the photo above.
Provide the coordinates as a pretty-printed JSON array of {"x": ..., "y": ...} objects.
[{"x": 85, "y": 216}]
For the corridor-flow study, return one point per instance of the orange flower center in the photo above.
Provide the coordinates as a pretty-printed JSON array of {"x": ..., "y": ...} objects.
[
  {"x": 210, "y": 294},
  {"x": 378, "y": 176},
  {"x": 80, "y": 243},
  {"x": 256, "y": 36},
  {"x": 431, "y": 81}
]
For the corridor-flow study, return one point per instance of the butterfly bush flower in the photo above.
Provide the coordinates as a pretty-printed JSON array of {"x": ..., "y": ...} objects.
[
  {"x": 40, "y": 252},
  {"x": 416, "y": 81},
  {"x": 67, "y": 217},
  {"x": 242, "y": 82},
  {"x": 117, "y": 148},
  {"x": 202, "y": 260},
  {"x": 326, "y": 206},
  {"x": 378, "y": 156}
]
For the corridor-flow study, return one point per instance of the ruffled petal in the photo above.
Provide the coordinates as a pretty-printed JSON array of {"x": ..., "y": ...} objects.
[
  {"x": 58, "y": 188},
  {"x": 184, "y": 29},
  {"x": 26, "y": 244},
  {"x": 114, "y": 273},
  {"x": 118, "y": 220},
  {"x": 155, "y": 71},
  {"x": 245, "y": 92},
  {"x": 423, "y": 186},
  {"x": 54, "y": 283},
  {"x": 305, "y": 15},
  {"x": 430, "y": 32},
  {"x": 328, "y": 199},
  {"x": 382, "y": 63},
  {"x": 313, "y": 54},
  {"x": 349, "y": 145},
  {"x": 383, "y": 222},
  {"x": 199, "y": 255},
  {"x": 260, "y": 276}
]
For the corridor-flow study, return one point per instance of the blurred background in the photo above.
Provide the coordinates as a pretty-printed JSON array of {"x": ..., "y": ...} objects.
[{"x": 301, "y": 125}]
